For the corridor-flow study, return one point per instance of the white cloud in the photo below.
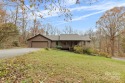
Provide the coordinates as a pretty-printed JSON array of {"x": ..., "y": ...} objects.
[
  {"x": 102, "y": 6},
  {"x": 70, "y": 2},
  {"x": 61, "y": 22},
  {"x": 99, "y": 8},
  {"x": 81, "y": 17},
  {"x": 85, "y": 16}
]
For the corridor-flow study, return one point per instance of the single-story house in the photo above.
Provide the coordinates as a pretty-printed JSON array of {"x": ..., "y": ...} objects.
[{"x": 52, "y": 41}]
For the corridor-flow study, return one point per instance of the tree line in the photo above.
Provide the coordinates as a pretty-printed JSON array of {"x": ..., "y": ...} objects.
[
  {"x": 15, "y": 29},
  {"x": 109, "y": 36}
]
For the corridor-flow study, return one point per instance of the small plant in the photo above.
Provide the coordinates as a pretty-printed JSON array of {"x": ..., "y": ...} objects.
[
  {"x": 84, "y": 50},
  {"x": 58, "y": 47},
  {"x": 46, "y": 48}
]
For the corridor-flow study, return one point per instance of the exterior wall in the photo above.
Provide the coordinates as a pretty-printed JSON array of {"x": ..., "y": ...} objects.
[
  {"x": 53, "y": 44},
  {"x": 84, "y": 43},
  {"x": 68, "y": 44},
  {"x": 38, "y": 38}
]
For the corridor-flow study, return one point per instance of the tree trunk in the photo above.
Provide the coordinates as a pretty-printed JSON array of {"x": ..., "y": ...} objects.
[
  {"x": 118, "y": 45},
  {"x": 112, "y": 46},
  {"x": 16, "y": 16}
]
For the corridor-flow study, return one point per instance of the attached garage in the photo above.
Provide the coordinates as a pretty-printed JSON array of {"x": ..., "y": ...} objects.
[
  {"x": 39, "y": 41},
  {"x": 39, "y": 44}
]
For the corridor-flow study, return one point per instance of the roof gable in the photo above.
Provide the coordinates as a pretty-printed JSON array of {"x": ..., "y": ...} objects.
[{"x": 36, "y": 36}]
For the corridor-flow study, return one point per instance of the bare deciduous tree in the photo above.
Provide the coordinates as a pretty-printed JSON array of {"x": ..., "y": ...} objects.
[
  {"x": 111, "y": 23},
  {"x": 68, "y": 30}
]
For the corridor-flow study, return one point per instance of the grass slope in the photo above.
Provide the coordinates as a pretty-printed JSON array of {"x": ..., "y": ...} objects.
[{"x": 56, "y": 66}]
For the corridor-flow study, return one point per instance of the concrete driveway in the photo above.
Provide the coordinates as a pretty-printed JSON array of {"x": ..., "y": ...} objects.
[
  {"x": 119, "y": 58},
  {"x": 6, "y": 53}
]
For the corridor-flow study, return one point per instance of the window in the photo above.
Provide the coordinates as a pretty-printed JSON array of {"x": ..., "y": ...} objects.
[
  {"x": 64, "y": 43},
  {"x": 75, "y": 43},
  {"x": 57, "y": 43}
]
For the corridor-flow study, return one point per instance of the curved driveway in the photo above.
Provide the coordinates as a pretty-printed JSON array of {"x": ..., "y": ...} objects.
[{"x": 6, "y": 53}]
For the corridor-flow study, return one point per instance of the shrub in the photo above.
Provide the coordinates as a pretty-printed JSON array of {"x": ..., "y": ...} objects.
[
  {"x": 1, "y": 46},
  {"x": 88, "y": 50},
  {"x": 85, "y": 50},
  {"x": 46, "y": 48},
  {"x": 78, "y": 49},
  {"x": 95, "y": 51},
  {"x": 58, "y": 47},
  {"x": 16, "y": 43},
  {"x": 105, "y": 54}
]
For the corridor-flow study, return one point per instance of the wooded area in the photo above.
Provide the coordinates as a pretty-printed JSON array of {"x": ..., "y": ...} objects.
[
  {"x": 109, "y": 36},
  {"x": 15, "y": 28}
]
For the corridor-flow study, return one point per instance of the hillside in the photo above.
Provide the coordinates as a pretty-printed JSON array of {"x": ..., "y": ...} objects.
[{"x": 55, "y": 66}]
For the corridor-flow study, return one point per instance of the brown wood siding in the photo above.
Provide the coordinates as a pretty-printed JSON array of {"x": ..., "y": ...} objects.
[
  {"x": 53, "y": 44},
  {"x": 39, "y": 39}
]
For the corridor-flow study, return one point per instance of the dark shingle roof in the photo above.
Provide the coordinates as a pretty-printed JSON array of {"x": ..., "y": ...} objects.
[
  {"x": 68, "y": 37},
  {"x": 85, "y": 38},
  {"x": 52, "y": 37}
]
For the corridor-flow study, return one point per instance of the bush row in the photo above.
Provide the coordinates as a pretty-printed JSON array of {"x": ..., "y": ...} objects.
[{"x": 89, "y": 51}]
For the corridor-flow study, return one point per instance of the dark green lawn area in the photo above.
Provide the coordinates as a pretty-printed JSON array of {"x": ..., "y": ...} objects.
[{"x": 56, "y": 66}]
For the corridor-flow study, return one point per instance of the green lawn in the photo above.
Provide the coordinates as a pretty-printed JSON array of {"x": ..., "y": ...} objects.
[{"x": 56, "y": 66}]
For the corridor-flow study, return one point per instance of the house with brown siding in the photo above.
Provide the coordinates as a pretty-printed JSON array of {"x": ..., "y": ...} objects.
[{"x": 52, "y": 41}]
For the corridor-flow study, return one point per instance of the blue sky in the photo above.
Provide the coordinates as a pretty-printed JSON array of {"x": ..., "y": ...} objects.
[{"x": 84, "y": 15}]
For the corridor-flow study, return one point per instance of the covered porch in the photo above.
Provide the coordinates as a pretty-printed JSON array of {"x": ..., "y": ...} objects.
[{"x": 70, "y": 44}]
